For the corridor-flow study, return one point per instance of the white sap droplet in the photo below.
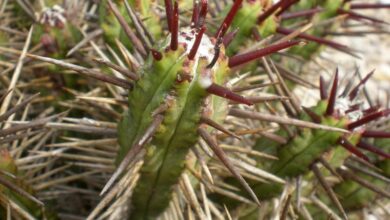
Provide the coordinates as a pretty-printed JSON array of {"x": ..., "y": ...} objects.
[{"x": 205, "y": 82}]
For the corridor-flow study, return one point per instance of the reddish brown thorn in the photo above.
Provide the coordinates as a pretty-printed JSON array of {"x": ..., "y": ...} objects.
[
  {"x": 250, "y": 56},
  {"x": 314, "y": 117},
  {"x": 371, "y": 110},
  {"x": 318, "y": 40},
  {"x": 175, "y": 27},
  {"x": 355, "y": 90},
  {"x": 286, "y": 5},
  {"x": 328, "y": 189},
  {"x": 329, "y": 167},
  {"x": 156, "y": 55},
  {"x": 195, "y": 47},
  {"x": 368, "y": 6},
  {"x": 202, "y": 13},
  {"x": 358, "y": 16},
  {"x": 347, "y": 145},
  {"x": 376, "y": 134},
  {"x": 228, "y": 19},
  {"x": 227, "y": 93},
  {"x": 195, "y": 14},
  {"x": 256, "y": 34},
  {"x": 169, "y": 13},
  {"x": 323, "y": 93},
  {"x": 217, "y": 126},
  {"x": 352, "y": 108},
  {"x": 363, "y": 182},
  {"x": 269, "y": 12},
  {"x": 124, "y": 71},
  {"x": 303, "y": 13},
  {"x": 376, "y": 175},
  {"x": 333, "y": 94},
  {"x": 226, "y": 161},
  {"x": 229, "y": 37},
  {"x": 368, "y": 118},
  {"x": 129, "y": 32},
  {"x": 373, "y": 149}
]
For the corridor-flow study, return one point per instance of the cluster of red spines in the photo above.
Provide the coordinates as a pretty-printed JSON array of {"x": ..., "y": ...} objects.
[
  {"x": 198, "y": 17},
  {"x": 279, "y": 9},
  {"x": 197, "y": 22},
  {"x": 368, "y": 116}
]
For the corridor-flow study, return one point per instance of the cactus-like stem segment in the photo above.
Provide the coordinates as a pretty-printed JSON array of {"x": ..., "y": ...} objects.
[{"x": 134, "y": 151}]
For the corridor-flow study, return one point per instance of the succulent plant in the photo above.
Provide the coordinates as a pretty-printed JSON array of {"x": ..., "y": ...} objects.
[{"x": 179, "y": 80}]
